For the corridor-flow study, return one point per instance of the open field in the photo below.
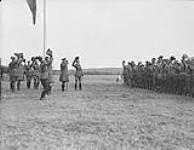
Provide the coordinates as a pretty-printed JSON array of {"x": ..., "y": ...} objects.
[
  {"x": 104, "y": 116},
  {"x": 96, "y": 71}
]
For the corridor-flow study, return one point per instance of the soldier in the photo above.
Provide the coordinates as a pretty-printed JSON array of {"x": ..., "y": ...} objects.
[
  {"x": 186, "y": 74},
  {"x": 129, "y": 74},
  {"x": 20, "y": 71},
  {"x": 29, "y": 74},
  {"x": 159, "y": 67},
  {"x": 140, "y": 79},
  {"x": 64, "y": 75},
  {"x": 78, "y": 73},
  {"x": 124, "y": 74},
  {"x": 190, "y": 64},
  {"x": 13, "y": 66},
  {"x": 44, "y": 79},
  {"x": 153, "y": 73},
  {"x": 36, "y": 74},
  {"x": 134, "y": 74},
  {"x": 148, "y": 75},
  {"x": 49, "y": 61}
]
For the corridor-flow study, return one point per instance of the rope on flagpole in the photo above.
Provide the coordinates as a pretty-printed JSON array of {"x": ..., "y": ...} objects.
[{"x": 44, "y": 29}]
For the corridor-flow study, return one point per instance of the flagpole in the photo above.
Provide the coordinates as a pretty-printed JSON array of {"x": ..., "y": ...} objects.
[
  {"x": 44, "y": 28},
  {"x": 0, "y": 78}
]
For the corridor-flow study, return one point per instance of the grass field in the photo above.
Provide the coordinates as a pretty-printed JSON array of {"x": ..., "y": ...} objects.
[{"x": 105, "y": 115}]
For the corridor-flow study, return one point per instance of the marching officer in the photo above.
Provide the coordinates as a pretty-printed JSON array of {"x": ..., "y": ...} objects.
[
  {"x": 49, "y": 61},
  {"x": 44, "y": 78}
]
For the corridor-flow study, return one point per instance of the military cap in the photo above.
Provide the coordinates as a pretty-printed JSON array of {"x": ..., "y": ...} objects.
[
  {"x": 76, "y": 57},
  {"x": 49, "y": 52},
  {"x": 19, "y": 55},
  {"x": 139, "y": 63},
  {"x": 32, "y": 58},
  {"x": 185, "y": 56},
  {"x": 172, "y": 58},
  {"x": 132, "y": 62},
  {"x": 160, "y": 57},
  {"x": 12, "y": 57}
]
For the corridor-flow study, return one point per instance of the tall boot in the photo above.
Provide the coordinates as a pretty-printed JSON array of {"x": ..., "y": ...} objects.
[
  {"x": 80, "y": 86},
  {"x": 49, "y": 89},
  {"x": 18, "y": 85},
  {"x": 28, "y": 84},
  {"x": 12, "y": 86},
  {"x": 63, "y": 87},
  {"x": 75, "y": 86},
  {"x": 42, "y": 95}
]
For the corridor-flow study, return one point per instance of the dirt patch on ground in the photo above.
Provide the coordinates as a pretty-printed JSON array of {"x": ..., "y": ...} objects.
[{"x": 104, "y": 116}]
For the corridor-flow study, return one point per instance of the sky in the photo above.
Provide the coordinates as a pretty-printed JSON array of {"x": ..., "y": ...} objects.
[{"x": 101, "y": 32}]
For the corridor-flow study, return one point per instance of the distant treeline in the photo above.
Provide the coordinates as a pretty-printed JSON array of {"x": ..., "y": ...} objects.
[{"x": 98, "y": 71}]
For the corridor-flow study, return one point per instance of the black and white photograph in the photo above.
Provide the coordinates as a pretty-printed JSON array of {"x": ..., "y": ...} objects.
[{"x": 96, "y": 74}]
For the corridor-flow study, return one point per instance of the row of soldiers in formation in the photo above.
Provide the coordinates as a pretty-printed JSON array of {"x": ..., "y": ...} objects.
[
  {"x": 162, "y": 75},
  {"x": 40, "y": 70}
]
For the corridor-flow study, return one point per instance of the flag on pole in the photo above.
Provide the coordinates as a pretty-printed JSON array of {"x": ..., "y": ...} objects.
[{"x": 32, "y": 5}]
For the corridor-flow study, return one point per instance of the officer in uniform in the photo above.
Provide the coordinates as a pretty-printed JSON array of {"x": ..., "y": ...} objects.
[
  {"x": 190, "y": 64},
  {"x": 13, "y": 74},
  {"x": 124, "y": 74},
  {"x": 36, "y": 74},
  {"x": 29, "y": 74},
  {"x": 44, "y": 78},
  {"x": 78, "y": 73},
  {"x": 49, "y": 61},
  {"x": 64, "y": 75},
  {"x": 129, "y": 74},
  {"x": 186, "y": 73},
  {"x": 20, "y": 70}
]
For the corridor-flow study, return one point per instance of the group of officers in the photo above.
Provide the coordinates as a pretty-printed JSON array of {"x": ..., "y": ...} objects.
[
  {"x": 39, "y": 70},
  {"x": 162, "y": 75}
]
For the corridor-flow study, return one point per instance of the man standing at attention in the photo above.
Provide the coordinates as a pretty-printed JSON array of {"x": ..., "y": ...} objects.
[
  {"x": 13, "y": 75},
  {"x": 78, "y": 73},
  {"x": 64, "y": 75}
]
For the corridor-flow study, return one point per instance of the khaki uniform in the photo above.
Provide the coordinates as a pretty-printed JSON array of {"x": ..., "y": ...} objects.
[
  {"x": 13, "y": 73},
  {"x": 44, "y": 78},
  {"x": 36, "y": 75},
  {"x": 50, "y": 69},
  {"x": 64, "y": 75},
  {"x": 78, "y": 75}
]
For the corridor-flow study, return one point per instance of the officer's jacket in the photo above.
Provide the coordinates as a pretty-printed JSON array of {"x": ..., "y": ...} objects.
[
  {"x": 13, "y": 66},
  {"x": 36, "y": 70},
  {"x": 78, "y": 71},
  {"x": 43, "y": 71}
]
